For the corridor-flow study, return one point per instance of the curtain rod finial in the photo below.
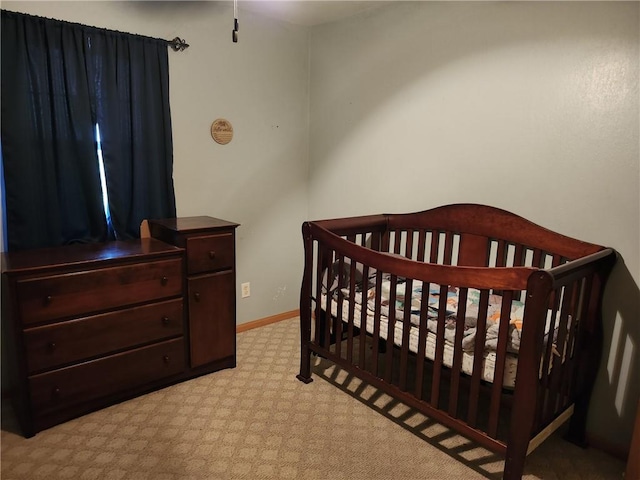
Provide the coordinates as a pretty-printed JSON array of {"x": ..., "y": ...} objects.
[{"x": 178, "y": 44}]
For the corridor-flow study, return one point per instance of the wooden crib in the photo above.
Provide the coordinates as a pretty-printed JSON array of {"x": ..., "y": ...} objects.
[{"x": 474, "y": 316}]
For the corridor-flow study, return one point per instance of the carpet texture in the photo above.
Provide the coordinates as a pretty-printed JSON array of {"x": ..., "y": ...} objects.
[{"x": 258, "y": 422}]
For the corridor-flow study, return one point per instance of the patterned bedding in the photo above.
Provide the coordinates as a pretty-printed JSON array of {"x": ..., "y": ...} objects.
[
  {"x": 409, "y": 294},
  {"x": 489, "y": 357},
  {"x": 451, "y": 313}
]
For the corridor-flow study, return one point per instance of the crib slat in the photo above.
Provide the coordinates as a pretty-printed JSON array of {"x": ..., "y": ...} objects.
[
  {"x": 435, "y": 240},
  {"x": 318, "y": 305},
  {"x": 376, "y": 325},
  {"x": 422, "y": 339},
  {"x": 518, "y": 256},
  {"x": 422, "y": 240},
  {"x": 384, "y": 241},
  {"x": 351, "y": 301},
  {"x": 352, "y": 307},
  {"x": 448, "y": 248},
  {"x": 328, "y": 322},
  {"x": 538, "y": 258},
  {"x": 391, "y": 324},
  {"x": 457, "y": 352},
  {"x": 437, "y": 363},
  {"x": 406, "y": 330},
  {"x": 397, "y": 241},
  {"x": 375, "y": 239},
  {"x": 339, "y": 316},
  {"x": 501, "y": 255},
  {"x": 363, "y": 316},
  {"x": 409, "y": 245},
  {"x": 479, "y": 346},
  {"x": 501, "y": 351}
]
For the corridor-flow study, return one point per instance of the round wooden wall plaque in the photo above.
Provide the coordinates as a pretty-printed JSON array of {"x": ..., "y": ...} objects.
[{"x": 222, "y": 131}]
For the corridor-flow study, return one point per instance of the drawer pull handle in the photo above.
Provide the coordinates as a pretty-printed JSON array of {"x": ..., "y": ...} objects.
[
  {"x": 48, "y": 299},
  {"x": 165, "y": 321},
  {"x": 166, "y": 359},
  {"x": 55, "y": 393},
  {"x": 52, "y": 346},
  {"x": 196, "y": 296},
  {"x": 164, "y": 280},
  {"x": 212, "y": 254}
]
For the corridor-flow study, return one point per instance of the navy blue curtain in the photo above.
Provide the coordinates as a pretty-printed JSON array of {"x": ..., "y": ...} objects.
[
  {"x": 59, "y": 80},
  {"x": 131, "y": 81},
  {"x": 52, "y": 182}
]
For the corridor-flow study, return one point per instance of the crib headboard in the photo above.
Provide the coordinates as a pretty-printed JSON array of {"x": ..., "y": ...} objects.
[{"x": 463, "y": 235}]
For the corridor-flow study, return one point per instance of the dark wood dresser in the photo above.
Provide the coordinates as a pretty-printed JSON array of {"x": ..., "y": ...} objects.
[
  {"x": 209, "y": 245},
  {"x": 86, "y": 326}
]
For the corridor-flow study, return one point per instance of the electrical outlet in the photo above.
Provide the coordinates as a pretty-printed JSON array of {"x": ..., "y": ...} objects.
[{"x": 246, "y": 289}]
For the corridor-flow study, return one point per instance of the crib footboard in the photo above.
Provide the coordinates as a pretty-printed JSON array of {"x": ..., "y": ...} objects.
[
  {"x": 455, "y": 316},
  {"x": 559, "y": 386}
]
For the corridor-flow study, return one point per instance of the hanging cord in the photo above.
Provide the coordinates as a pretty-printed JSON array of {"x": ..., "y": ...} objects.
[{"x": 234, "y": 33}]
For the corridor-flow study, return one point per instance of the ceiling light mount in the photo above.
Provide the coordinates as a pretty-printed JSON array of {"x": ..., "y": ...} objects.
[{"x": 234, "y": 33}]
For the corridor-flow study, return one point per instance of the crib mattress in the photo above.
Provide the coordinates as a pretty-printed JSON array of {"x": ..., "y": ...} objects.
[{"x": 489, "y": 357}]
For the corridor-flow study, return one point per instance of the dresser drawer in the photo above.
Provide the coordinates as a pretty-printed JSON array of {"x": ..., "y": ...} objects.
[
  {"x": 71, "y": 294},
  {"x": 215, "y": 252},
  {"x": 58, "y": 344},
  {"x": 106, "y": 376}
]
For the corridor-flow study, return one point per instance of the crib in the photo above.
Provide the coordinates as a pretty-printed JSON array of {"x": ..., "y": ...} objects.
[{"x": 478, "y": 318}]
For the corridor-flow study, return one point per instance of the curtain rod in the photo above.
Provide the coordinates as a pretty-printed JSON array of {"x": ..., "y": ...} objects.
[{"x": 177, "y": 44}]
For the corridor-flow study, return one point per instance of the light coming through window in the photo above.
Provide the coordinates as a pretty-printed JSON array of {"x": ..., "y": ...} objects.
[{"x": 103, "y": 181}]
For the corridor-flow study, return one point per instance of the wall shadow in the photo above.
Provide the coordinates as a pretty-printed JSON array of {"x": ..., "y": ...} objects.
[{"x": 620, "y": 363}]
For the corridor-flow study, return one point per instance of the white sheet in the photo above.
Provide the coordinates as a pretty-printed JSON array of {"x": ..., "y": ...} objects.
[{"x": 488, "y": 363}]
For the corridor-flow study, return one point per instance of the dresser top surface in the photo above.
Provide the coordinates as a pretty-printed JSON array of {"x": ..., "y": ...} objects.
[
  {"x": 81, "y": 254},
  {"x": 193, "y": 224}
]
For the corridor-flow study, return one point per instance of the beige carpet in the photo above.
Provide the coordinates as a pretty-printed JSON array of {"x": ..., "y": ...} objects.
[{"x": 258, "y": 422}]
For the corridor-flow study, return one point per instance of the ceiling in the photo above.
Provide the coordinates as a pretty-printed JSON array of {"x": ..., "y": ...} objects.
[{"x": 308, "y": 12}]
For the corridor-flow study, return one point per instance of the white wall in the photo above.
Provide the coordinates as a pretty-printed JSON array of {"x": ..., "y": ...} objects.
[
  {"x": 528, "y": 106},
  {"x": 259, "y": 84}
]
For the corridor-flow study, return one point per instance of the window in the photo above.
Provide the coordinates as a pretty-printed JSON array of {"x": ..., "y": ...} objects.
[{"x": 64, "y": 106}]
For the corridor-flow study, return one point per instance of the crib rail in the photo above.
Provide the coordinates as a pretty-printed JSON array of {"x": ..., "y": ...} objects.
[
  {"x": 382, "y": 355},
  {"x": 355, "y": 310}
]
